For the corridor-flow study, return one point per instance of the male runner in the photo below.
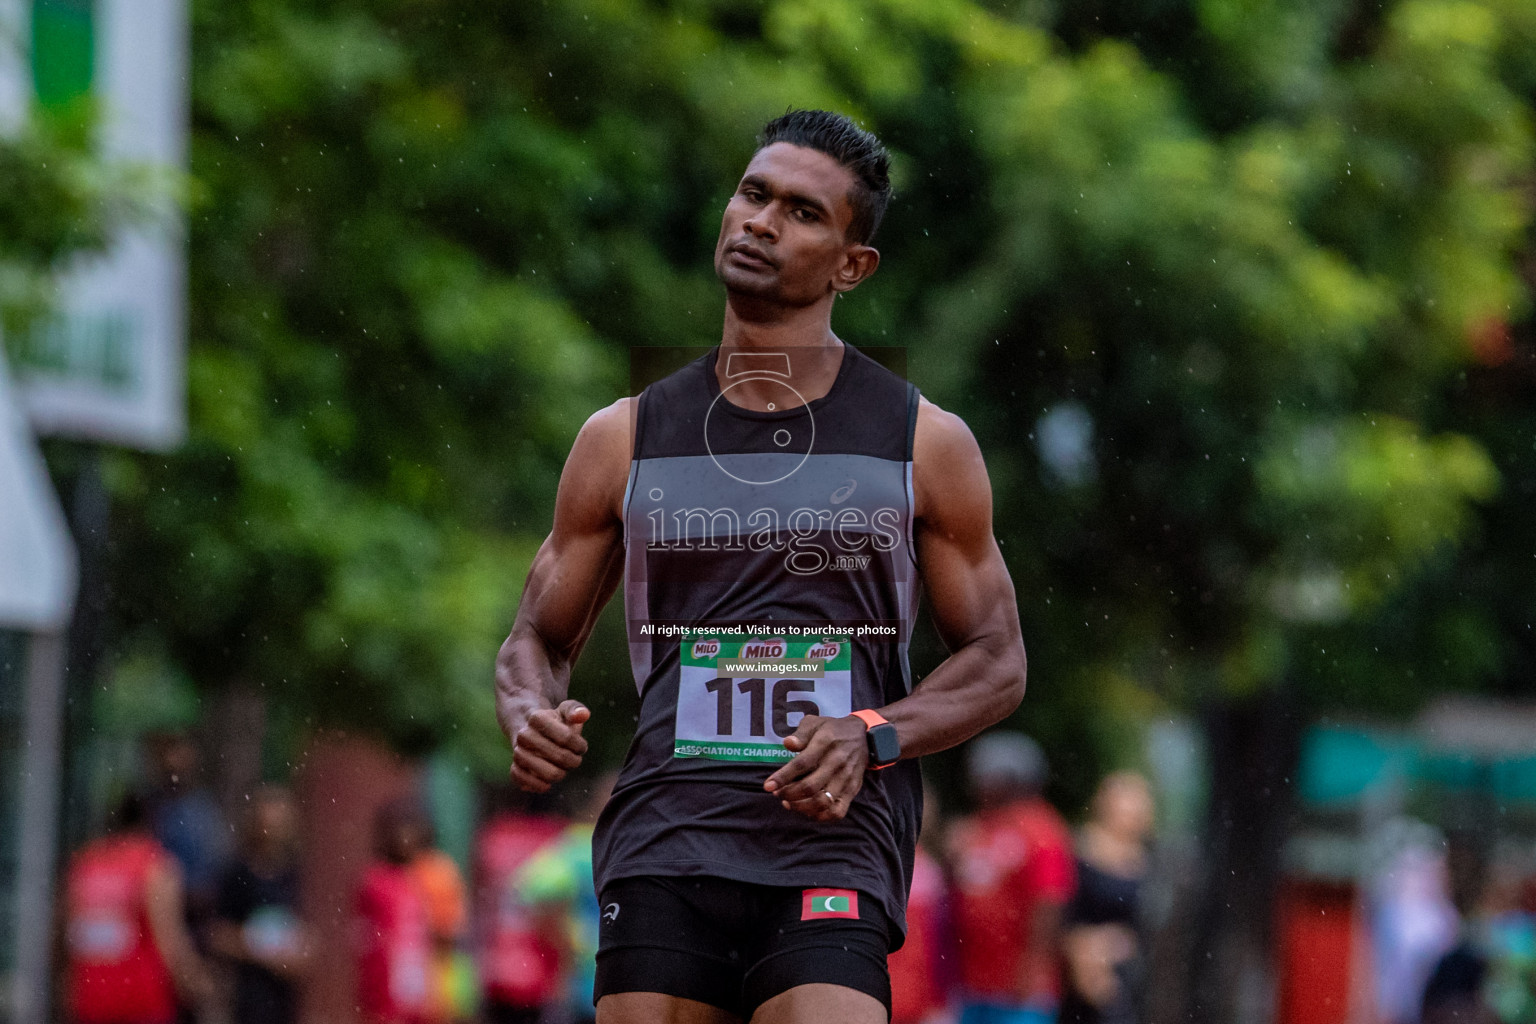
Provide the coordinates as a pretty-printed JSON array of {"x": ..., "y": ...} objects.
[{"x": 779, "y": 500}]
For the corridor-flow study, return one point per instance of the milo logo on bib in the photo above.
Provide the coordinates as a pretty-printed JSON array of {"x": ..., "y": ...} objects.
[
  {"x": 738, "y": 699},
  {"x": 826, "y": 651},
  {"x": 764, "y": 649}
]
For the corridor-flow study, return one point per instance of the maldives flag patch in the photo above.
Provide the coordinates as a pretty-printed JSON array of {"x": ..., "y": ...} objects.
[{"x": 818, "y": 903}]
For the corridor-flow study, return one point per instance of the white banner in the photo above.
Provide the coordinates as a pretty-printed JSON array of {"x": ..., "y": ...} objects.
[
  {"x": 15, "y": 77},
  {"x": 110, "y": 365},
  {"x": 37, "y": 556}
]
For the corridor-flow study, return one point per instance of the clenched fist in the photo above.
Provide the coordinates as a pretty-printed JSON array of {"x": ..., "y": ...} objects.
[{"x": 548, "y": 746}]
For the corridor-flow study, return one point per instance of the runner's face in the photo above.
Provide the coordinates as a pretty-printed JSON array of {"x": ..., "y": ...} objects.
[{"x": 784, "y": 236}]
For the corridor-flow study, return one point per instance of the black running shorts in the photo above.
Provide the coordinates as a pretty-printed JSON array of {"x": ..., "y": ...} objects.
[{"x": 736, "y": 945}]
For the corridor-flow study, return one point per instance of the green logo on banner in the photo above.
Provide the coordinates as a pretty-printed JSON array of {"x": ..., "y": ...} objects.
[{"x": 63, "y": 50}]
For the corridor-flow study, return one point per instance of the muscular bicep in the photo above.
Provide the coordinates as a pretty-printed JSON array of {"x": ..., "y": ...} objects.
[
  {"x": 970, "y": 593},
  {"x": 579, "y": 564}
]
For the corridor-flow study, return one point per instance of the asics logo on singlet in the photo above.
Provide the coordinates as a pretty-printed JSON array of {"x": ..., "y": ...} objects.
[
  {"x": 813, "y": 539},
  {"x": 844, "y": 492}
]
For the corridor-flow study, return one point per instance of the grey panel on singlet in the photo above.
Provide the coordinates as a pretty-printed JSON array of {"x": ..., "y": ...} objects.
[
  {"x": 734, "y": 516},
  {"x": 665, "y": 490}
]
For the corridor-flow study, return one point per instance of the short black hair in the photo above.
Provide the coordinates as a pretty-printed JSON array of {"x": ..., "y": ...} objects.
[{"x": 851, "y": 146}]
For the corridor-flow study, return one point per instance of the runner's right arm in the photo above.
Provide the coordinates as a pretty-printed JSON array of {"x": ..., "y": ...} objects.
[{"x": 575, "y": 572}]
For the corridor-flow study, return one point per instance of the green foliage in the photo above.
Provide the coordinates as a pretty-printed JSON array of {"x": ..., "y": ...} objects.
[
  {"x": 59, "y": 200},
  {"x": 1249, "y": 240},
  {"x": 143, "y": 696},
  {"x": 1261, "y": 313}
]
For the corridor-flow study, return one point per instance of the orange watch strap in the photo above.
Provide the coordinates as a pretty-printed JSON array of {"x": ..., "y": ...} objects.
[{"x": 870, "y": 718}]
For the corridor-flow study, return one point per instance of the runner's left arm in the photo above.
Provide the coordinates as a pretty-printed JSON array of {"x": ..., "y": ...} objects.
[
  {"x": 970, "y": 595},
  {"x": 971, "y": 599}
]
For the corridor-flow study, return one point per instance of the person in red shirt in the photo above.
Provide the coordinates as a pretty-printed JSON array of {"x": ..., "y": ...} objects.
[
  {"x": 519, "y": 966},
  {"x": 917, "y": 970},
  {"x": 129, "y": 955},
  {"x": 394, "y": 963},
  {"x": 1014, "y": 874}
]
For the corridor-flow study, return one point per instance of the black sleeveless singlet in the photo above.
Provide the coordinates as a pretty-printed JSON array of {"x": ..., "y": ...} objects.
[{"x": 767, "y": 536}]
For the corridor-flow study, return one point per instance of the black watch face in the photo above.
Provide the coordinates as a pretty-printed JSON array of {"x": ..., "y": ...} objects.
[{"x": 884, "y": 746}]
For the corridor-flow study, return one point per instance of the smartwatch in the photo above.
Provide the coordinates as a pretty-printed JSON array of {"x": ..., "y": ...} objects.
[{"x": 881, "y": 739}]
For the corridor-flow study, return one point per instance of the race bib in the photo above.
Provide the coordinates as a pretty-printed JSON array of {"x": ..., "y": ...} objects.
[{"x": 738, "y": 699}]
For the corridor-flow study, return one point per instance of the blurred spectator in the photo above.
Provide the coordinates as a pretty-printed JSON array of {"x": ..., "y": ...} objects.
[
  {"x": 394, "y": 963},
  {"x": 256, "y": 921},
  {"x": 1508, "y": 932},
  {"x": 128, "y": 954},
  {"x": 185, "y": 817},
  {"x": 519, "y": 966},
  {"x": 1456, "y": 991},
  {"x": 1412, "y": 920},
  {"x": 1013, "y": 876},
  {"x": 1102, "y": 942},
  {"x": 918, "y": 991},
  {"x": 452, "y": 982},
  {"x": 556, "y": 882}
]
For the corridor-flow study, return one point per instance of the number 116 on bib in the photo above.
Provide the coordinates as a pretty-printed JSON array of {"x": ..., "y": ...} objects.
[{"x": 726, "y": 711}]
